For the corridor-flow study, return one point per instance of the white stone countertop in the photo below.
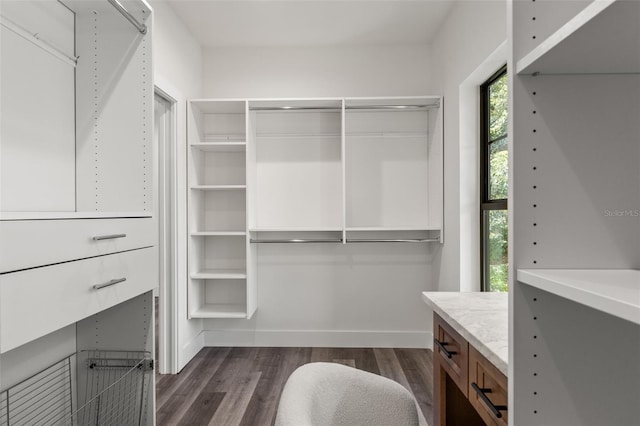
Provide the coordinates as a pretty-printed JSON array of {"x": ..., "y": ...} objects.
[{"x": 482, "y": 318}]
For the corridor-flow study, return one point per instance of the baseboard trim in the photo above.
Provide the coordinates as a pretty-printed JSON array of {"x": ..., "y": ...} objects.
[
  {"x": 319, "y": 338},
  {"x": 191, "y": 349}
]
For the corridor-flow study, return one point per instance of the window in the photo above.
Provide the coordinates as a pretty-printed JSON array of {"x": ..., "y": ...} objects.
[{"x": 494, "y": 182}]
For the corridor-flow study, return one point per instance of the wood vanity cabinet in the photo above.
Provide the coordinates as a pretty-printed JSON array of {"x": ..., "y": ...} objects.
[{"x": 468, "y": 389}]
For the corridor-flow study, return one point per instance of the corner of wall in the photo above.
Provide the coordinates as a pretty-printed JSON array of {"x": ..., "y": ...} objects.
[{"x": 464, "y": 42}]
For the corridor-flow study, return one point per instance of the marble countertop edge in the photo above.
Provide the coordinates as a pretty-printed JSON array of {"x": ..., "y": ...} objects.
[{"x": 481, "y": 318}]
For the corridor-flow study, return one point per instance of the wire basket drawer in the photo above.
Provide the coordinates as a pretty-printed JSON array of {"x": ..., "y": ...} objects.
[{"x": 92, "y": 388}]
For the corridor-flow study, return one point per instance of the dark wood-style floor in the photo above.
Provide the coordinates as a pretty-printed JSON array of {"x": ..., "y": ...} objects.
[{"x": 242, "y": 386}]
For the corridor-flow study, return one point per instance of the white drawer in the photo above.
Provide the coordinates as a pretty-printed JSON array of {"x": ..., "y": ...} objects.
[
  {"x": 37, "y": 301},
  {"x": 32, "y": 243}
]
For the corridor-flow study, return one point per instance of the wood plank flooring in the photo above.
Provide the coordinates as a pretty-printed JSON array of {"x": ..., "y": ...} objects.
[{"x": 242, "y": 386}]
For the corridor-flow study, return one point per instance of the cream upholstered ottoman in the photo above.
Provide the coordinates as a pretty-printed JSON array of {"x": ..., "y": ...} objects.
[{"x": 327, "y": 394}]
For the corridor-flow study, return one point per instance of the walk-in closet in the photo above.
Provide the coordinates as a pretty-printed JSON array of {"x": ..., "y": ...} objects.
[{"x": 267, "y": 212}]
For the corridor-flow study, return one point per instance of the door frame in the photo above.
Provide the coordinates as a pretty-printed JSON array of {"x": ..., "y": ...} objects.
[{"x": 168, "y": 282}]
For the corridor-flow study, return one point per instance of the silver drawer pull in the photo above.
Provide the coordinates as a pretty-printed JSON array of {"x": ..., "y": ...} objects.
[
  {"x": 110, "y": 283},
  {"x": 108, "y": 237}
]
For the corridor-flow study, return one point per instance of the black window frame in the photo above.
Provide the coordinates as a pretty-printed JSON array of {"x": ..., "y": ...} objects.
[{"x": 486, "y": 203}]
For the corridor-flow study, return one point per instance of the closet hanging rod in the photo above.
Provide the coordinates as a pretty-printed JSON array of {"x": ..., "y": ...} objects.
[
  {"x": 296, "y": 108},
  {"x": 124, "y": 12},
  {"x": 35, "y": 39},
  {"x": 398, "y": 240},
  {"x": 352, "y": 107},
  {"x": 296, "y": 240}
]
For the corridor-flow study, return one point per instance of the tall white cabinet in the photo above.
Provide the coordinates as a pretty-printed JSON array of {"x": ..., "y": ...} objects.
[
  {"x": 77, "y": 225},
  {"x": 575, "y": 201},
  {"x": 304, "y": 171}
]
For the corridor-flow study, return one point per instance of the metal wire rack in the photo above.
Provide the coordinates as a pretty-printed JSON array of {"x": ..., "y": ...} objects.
[{"x": 109, "y": 387}]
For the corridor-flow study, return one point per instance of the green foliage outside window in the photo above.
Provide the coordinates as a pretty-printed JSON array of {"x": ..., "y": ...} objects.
[
  {"x": 496, "y": 220},
  {"x": 498, "y": 111}
]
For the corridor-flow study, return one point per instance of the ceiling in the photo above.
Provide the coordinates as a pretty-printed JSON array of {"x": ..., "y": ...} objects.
[{"x": 218, "y": 23}]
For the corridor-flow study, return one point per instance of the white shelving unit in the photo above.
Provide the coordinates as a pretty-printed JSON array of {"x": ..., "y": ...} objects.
[
  {"x": 77, "y": 221},
  {"x": 299, "y": 171},
  {"x": 575, "y": 298},
  {"x": 219, "y": 251}
]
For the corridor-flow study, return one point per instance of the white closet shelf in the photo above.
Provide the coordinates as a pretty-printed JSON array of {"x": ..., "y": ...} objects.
[
  {"x": 305, "y": 229},
  {"x": 390, "y": 228},
  {"x": 220, "y": 310},
  {"x": 70, "y": 215},
  {"x": 219, "y": 106},
  {"x": 234, "y": 146},
  {"x": 613, "y": 291},
  {"x": 218, "y": 187},
  {"x": 299, "y": 136},
  {"x": 603, "y": 38},
  {"x": 219, "y": 274},
  {"x": 395, "y": 135},
  {"x": 218, "y": 233}
]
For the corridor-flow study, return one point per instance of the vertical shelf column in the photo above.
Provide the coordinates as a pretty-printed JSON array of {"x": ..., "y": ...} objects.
[
  {"x": 574, "y": 204},
  {"x": 218, "y": 237}
]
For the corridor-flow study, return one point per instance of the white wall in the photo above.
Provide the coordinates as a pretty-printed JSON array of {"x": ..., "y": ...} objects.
[
  {"x": 465, "y": 52},
  {"x": 178, "y": 73},
  {"x": 260, "y": 72},
  {"x": 328, "y": 295},
  {"x": 362, "y": 295}
]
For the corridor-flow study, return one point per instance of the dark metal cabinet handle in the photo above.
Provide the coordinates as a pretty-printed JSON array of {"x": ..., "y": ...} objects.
[
  {"x": 109, "y": 283},
  {"x": 442, "y": 345},
  {"x": 108, "y": 237},
  {"x": 495, "y": 409}
]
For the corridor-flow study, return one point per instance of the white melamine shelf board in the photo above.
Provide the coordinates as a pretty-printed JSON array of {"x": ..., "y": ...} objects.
[
  {"x": 218, "y": 233},
  {"x": 70, "y": 215},
  {"x": 219, "y": 106},
  {"x": 319, "y": 229},
  {"x": 296, "y": 103},
  {"x": 299, "y": 136},
  {"x": 220, "y": 137},
  {"x": 613, "y": 291},
  {"x": 218, "y": 187},
  {"x": 603, "y": 38},
  {"x": 220, "y": 310},
  {"x": 395, "y": 135},
  {"x": 391, "y": 229},
  {"x": 402, "y": 100},
  {"x": 219, "y": 274},
  {"x": 238, "y": 146}
]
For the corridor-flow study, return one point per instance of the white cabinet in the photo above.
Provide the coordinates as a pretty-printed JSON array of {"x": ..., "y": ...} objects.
[
  {"x": 575, "y": 230},
  {"x": 331, "y": 170},
  {"x": 77, "y": 227}
]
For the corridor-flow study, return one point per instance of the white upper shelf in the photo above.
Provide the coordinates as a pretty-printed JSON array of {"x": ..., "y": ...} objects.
[
  {"x": 603, "y": 38},
  {"x": 613, "y": 291}
]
